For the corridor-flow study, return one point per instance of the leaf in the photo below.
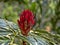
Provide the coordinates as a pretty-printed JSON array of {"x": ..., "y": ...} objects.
[
  {"x": 5, "y": 31},
  {"x": 33, "y": 6}
]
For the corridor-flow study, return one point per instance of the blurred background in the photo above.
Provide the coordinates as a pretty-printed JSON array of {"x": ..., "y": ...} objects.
[{"x": 46, "y": 12}]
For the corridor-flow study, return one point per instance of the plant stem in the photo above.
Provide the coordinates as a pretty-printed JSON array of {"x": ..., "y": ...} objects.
[{"x": 24, "y": 43}]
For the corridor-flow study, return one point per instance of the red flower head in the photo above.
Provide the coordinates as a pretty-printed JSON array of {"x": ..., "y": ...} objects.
[{"x": 26, "y": 21}]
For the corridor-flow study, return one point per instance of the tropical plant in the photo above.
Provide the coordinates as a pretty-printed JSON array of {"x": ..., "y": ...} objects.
[{"x": 10, "y": 32}]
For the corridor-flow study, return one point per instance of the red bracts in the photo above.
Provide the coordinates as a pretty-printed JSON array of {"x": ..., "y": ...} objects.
[{"x": 26, "y": 21}]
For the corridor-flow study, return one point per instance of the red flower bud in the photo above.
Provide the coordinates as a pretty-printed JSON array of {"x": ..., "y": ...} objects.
[{"x": 26, "y": 21}]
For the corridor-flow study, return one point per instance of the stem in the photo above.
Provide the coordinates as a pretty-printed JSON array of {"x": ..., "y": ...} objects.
[{"x": 24, "y": 43}]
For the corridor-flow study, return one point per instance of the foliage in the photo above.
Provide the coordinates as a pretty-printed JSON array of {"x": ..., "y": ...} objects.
[
  {"x": 12, "y": 35},
  {"x": 9, "y": 14},
  {"x": 55, "y": 19}
]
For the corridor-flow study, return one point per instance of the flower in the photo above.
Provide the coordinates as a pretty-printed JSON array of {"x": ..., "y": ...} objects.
[{"x": 26, "y": 21}]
